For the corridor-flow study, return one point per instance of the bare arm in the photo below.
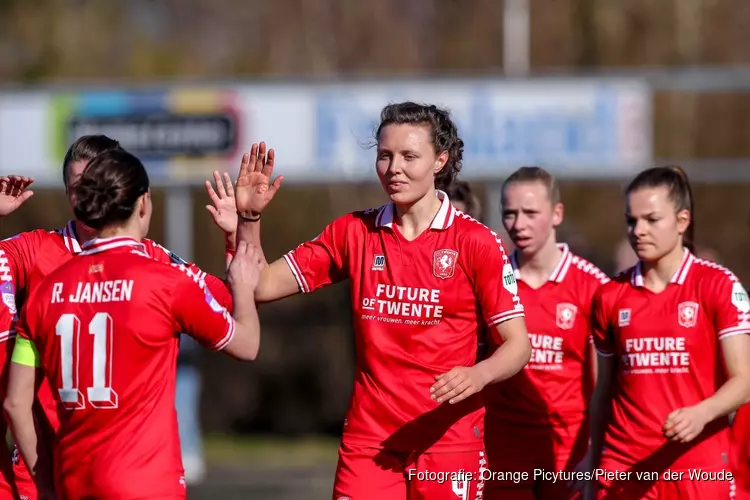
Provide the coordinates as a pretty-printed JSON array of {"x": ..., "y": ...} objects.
[
  {"x": 18, "y": 405},
  {"x": 512, "y": 355},
  {"x": 277, "y": 279}
]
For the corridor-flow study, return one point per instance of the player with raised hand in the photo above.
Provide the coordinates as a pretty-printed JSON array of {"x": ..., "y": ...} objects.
[
  {"x": 106, "y": 327},
  {"x": 542, "y": 409},
  {"x": 424, "y": 279},
  {"x": 673, "y": 356},
  {"x": 26, "y": 258}
]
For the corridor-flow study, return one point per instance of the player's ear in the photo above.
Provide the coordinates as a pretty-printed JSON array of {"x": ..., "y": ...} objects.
[{"x": 144, "y": 204}]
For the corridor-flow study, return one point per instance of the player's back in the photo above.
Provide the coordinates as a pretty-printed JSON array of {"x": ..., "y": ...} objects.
[{"x": 112, "y": 363}]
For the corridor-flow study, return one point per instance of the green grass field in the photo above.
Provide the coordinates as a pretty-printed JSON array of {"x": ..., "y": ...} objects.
[{"x": 223, "y": 450}]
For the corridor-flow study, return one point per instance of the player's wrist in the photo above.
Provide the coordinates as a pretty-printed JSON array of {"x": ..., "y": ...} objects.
[{"x": 248, "y": 215}]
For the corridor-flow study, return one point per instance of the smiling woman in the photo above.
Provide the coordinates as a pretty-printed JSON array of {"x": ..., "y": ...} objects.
[{"x": 425, "y": 280}]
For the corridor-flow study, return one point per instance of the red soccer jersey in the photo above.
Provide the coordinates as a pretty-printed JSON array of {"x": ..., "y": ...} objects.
[
  {"x": 667, "y": 353},
  {"x": 417, "y": 308},
  {"x": 28, "y": 258},
  {"x": 555, "y": 386},
  {"x": 106, "y": 326}
]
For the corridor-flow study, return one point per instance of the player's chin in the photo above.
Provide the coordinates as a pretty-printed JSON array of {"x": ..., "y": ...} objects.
[
  {"x": 401, "y": 197},
  {"x": 648, "y": 253}
]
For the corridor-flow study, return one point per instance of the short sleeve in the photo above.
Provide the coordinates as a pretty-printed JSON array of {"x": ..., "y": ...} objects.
[
  {"x": 729, "y": 307},
  {"x": 217, "y": 286},
  {"x": 495, "y": 284},
  {"x": 16, "y": 255},
  {"x": 25, "y": 353},
  {"x": 601, "y": 329},
  {"x": 200, "y": 315},
  {"x": 321, "y": 261}
]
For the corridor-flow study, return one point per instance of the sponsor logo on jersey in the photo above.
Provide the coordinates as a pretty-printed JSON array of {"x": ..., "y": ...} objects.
[
  {"x": 378, "y": 263},
  {"x": 623, "y": 318},
  {"x": 687, "y": 314},
  {"x": 509, "y": 279},
  {"x": 566, "y": 315},
  {"x": 444, "y": 263}
]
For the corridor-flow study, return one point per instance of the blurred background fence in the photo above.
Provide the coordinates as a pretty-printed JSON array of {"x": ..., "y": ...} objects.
[{"x": 594, "y": 91}]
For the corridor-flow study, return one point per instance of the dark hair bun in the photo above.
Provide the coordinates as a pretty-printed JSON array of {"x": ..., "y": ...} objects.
[{"x": 108, "y": 189}]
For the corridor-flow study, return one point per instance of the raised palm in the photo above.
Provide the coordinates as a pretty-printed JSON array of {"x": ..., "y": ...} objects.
[
  {"x": 223, "y": 210},
  {"x": 13, "y": 192},
  {"x": 254, "y": 189}
]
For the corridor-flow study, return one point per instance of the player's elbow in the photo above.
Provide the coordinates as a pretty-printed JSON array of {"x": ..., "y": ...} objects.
[
  {"x": 16, "y": 406},
  {"x": 245, "y": 344}
]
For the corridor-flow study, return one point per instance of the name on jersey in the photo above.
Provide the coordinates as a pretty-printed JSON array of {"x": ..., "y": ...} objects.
[
  {"x": 656, "y": 355},
  {"x": 94, "y": 292},
  {"x": 416, "y": 306},
  {"x": 546, "y": 352}
]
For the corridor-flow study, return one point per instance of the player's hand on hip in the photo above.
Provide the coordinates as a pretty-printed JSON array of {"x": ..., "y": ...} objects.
[
  {"x": 254, "y": 189},
  {"x": 13, "y": 192},
  {"x": 457, "y": 385},
  {"x": 685, "y": 424},
  {"x": 223, "y": 208},
  {"x": 246, "y": 266}
]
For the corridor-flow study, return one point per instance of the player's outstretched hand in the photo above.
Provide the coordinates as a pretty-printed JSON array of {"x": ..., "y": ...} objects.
[
  {"x": 685, "y": 424},
  {"x": 223, "y": 208},
  {"x": 13, "y": 192},
  {"x": 254, "y": 189},
  {"x": 457, "y": 385},
  {"x": 246, "y": 266}
]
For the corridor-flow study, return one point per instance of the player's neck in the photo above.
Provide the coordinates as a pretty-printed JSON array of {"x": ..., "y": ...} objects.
[
  {"x": 413, "y": 219},
  {"x": 123, "y": 231},
  {"x": 657, "y": 275},
  {"x": 537, "y": 268},
  {"x": 84, "y": 233}
]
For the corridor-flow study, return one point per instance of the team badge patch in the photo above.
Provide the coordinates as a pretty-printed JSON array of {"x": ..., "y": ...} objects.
[
  {"x": 444, "y": 263},
  {"x": 9, "y": 296},
  {"x": 566, "y": 315},
  {"x": 623, "y": 317},
  {"x": 687, "y": 314}
]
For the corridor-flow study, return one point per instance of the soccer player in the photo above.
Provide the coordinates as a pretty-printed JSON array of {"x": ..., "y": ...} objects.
[
  {"x": 28, "y": 257},
  {"x": 424, "y": 278},
  {"x": 463, "y": 199},
  {"x": 740, "y": 452},
  {"x": 542, "y": 409},
  {"x": 106, "y": 326},
  {"x": 673, "y": 350}
]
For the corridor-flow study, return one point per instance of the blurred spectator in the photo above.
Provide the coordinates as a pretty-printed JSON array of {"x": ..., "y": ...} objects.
[
  {"x": 463, "y": 199},
  {"x": 187, "y": 404}
]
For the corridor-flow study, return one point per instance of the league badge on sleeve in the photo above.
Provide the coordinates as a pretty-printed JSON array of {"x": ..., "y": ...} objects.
[
  {"x": 9, "y": 296},
  {"x": 509, "y": 279},
  {"x": 740, "y": 299},
  {"x": 444, "y": 263},
  {"x": 212, "y": 302}
]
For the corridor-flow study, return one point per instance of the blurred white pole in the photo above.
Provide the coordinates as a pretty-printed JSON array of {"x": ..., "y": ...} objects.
[
  {"x": 178, "y": 230},
  {"x": 516, "y": 38}
]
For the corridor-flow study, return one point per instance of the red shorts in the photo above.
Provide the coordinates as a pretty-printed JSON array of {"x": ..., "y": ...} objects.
[
  {"x": 631, "y": 488},
  {"x": 24, "y": 482},
  {"x": 525, "y": 462},
  {"x": 374, "y": 474}
]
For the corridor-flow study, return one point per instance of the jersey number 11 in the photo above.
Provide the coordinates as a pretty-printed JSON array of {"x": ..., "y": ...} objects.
[{"x": 101, "y": 394}]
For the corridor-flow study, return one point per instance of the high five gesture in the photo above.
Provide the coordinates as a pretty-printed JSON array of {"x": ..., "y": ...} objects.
[{"x": 254, "y": 189}]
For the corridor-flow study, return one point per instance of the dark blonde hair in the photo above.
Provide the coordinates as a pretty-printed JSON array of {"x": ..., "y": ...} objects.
[{"x": 535, "y": 174}]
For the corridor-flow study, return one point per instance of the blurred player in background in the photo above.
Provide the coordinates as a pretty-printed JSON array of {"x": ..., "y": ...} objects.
[
  {"x": 463, "y": 199},
  {"x": 740, "y": 452},
  {"x": 107, "y": 327},
  {"x": 25, "y": 259},
  {"x": 541, "y": 412},
  {"x": 424, "y": 279},
  {"x": 674, "y": 354}
]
